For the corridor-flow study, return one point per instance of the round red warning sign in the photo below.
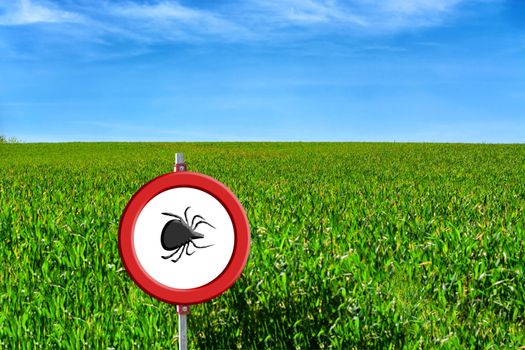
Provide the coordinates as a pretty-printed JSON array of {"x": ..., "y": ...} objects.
[{"x": 184, "y": 238}]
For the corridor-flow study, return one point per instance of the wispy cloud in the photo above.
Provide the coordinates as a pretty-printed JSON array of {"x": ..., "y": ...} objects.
[
  {"x": 170, "y": 20},
  {"x": 306, "y": 12},
  {"x": 238, "y": 18},
  {"x": 414, "y": 7},
  {"x": 26, "y": 12},
  {"x": 357, "y": 16},
  {"x": 140, "y": 24},
  {"x": 406, "y": 14},
  {"x": 162, "y": 11}
]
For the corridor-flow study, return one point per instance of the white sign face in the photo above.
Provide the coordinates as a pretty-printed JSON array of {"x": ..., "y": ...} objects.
[{"x": 183, "y": 238}]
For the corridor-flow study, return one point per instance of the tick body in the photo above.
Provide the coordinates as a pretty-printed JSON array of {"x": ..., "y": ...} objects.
[{"x": 178, "y": 234}]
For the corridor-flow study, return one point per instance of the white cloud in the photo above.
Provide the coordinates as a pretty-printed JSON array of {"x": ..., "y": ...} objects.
[
  {"x": 26, "y": 12},
  {"x": 357, "y": 17},
  {"x": 103, "y": 24},
  {"x": 171, "y": 20},
  {"x": 307, "y": 12},
  {"x": 398, "y": 15},
  {"x": 415, "y": 7},
  {"x": 236, "y": 21},
  {"x": 406, "y": 14},
  {"x": 165, "y": 10}
]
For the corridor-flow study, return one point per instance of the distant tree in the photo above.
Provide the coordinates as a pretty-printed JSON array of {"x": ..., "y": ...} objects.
[{"x": 4, "y": 139}]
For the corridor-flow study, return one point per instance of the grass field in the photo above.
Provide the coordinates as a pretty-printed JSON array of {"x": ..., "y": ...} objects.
[{"x": 353, "y": 245}]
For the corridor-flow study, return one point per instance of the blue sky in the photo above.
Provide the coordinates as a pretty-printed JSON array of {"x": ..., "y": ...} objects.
[{"x": 255, "y": 70}]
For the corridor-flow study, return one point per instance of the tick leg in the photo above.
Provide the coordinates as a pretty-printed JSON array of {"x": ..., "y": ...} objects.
[
  {"x": 186, "y": 214},
  {"x": 203, "y": 222},
  {"x": 181, "y": 251},
  {"x": 169, "y": 256},
  {"x": 193, "y": 220},
  {"x": 196, "y": 246},
  {"x": 175, "y": 216},
  {"x": 188, "y": 250}
]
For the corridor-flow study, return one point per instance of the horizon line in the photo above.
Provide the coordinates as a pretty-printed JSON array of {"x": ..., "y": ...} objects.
[{"x": 19, "y": 142}]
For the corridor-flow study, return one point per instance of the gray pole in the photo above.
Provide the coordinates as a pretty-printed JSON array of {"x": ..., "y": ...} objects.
[
  {"x": 182, "y": 310},
  {"x": 179, "y": 163}
]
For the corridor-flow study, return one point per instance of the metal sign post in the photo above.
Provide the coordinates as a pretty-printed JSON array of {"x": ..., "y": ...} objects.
[
  {"x": 179, "y": 163},
  {"x": 182, "y": 310}
]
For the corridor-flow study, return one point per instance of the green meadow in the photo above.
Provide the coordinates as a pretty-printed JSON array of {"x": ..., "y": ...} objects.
[{"x": 353, "y": 245}]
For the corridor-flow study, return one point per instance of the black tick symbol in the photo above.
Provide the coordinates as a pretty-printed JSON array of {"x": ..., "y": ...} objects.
[{"x": 177, "y": 234}]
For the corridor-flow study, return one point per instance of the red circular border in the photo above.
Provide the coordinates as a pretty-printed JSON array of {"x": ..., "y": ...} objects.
[{"x": 241, "y": 230}]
